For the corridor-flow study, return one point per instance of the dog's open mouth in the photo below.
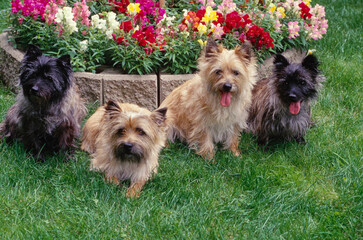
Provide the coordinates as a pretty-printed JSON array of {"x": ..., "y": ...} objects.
[
  {"x": 225, "y": 98},
  {"x": 295, "y": 107}
]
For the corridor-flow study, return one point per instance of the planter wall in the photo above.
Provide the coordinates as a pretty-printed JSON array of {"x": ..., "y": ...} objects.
[{"x": 145, "y": 90}]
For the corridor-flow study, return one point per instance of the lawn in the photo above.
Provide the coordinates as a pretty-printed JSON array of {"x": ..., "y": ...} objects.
[{"x": 293, "y": 192}]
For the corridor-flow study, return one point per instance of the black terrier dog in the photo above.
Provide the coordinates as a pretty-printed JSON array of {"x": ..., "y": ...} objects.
[
  {"x": 280, "y": 108},
  {"x": 48, "y": 112}
]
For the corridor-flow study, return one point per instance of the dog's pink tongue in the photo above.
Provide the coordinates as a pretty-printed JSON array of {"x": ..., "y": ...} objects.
[
  {"x": 295, "y": 107},
  {"x": 225, "y": 99}
]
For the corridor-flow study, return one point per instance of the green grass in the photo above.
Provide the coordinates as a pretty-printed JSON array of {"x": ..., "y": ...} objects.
[{"x": 294, "y": 192}]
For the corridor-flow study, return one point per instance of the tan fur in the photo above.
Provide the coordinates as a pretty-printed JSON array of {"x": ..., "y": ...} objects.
[
  {"x": 195, "y": 114},
  {"x": 102, "y": 137}
]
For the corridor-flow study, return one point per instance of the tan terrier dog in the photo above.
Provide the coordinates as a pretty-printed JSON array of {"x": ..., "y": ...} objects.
[
  {"x": 212, "y": 107},
  {"x": 125, "y": 141}
]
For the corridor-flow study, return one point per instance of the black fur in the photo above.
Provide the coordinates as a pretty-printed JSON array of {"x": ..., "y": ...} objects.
[
  {"x": 296, "y": 82},
  {"x": 47, "y": 115},
  {"x": 281, "y": 104}
]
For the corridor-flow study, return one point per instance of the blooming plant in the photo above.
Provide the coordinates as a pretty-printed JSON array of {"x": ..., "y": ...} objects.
[{"x": 140, "y": 37}]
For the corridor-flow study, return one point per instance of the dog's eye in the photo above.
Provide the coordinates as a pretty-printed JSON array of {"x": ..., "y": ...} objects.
[
  {"x": 235, "y": 72},
  {"x": 121, "y": 131},
  {"x": 49, "y": 79},
  {"x": 218, "y": 72},
  {"x": 302, "y": 82},
  {"x": 140, "y": 131}
]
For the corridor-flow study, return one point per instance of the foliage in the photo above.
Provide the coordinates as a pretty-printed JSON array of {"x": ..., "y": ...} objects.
[{"x": 140, "y": 37}]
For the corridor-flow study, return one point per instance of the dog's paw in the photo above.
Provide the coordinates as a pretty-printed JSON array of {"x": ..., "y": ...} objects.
[
  {"x": 236, "y": 152},
  {"x": 132, "y": 193},
  {"x": 135, "y": 189},
  {"x": 111, "y": 179},
  {"x": 207, "y": 155},
  {"x": 300, "y": 140}
]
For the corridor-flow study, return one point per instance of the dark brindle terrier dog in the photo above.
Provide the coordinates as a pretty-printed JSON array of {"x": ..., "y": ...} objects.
[
  {"x": 280, "y": 108},
  {"x": 47, "y": 114}
]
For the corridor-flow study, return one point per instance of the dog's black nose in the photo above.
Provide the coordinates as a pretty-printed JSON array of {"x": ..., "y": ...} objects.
[
  {"x": 292, "y": 97},
  {"x": 128, "y": 147},
  {"x": 227, "y": 87}
]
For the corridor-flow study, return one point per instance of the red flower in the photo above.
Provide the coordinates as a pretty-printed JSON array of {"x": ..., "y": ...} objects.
[
  {"x": 119, "y": 40},
  {"x": 246, "y": 20},
  {"x": 220, "y": 19},
  {"x": 150, "y": 34},
  {"x": 305, "y": 11},
  {"x": 233, "y": 20},
  {"x": 259, "y": 38},
  {"x": 120, "y": 6},
  {"x": 126, "y": 26},
  {"x": 200, "y": 13},
  {"x": 148, "y": 50},
  {"x": 140, "y": 37}
]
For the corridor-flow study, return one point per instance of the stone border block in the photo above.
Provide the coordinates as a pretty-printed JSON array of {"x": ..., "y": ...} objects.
[
  {"x": 10, "y": 63},
  {"x": 138, "y": 89},
  {"x": 169, "y": 82},
  {"x": 89, "y": 86}
]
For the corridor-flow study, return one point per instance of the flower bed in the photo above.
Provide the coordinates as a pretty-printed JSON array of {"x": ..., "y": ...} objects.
[{"x": 140, "y": 37}]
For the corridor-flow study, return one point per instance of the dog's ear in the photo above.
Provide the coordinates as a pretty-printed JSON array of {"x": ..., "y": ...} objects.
[
  {"x": 280, "y": 62},
  {"x": 211, "y": 48},
  {"x": 112, "y": 108},
  {"x": 33, "y": 51},
  {"x": 159, "y": 115},
  {"x": 245, "y": 52},
  {"x": 311, "y": 63},
  {"x": 65, "y": 60}
]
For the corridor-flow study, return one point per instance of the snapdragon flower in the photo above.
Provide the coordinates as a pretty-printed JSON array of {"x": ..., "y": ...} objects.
[
  {"x": 64, "y": 18},
  {"x": 293, "y": 28}
]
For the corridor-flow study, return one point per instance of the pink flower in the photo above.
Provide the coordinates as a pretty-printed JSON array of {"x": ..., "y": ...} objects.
[
  {"x": 227, "y": 6},
  {"x": 16, "y": 6},
  {"x": 294, "y": 29},
  {"x": 278, "y": 25},
  {"x": 81, "y": 10},
  {"x": 318, "y": 25},
  {"x": 50, "y": 12},
  {"x": 218, "y": 32},
  {"x": 20, "y": 20}
]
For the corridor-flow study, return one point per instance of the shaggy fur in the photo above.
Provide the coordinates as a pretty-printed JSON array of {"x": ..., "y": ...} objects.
[
  {"x": 48, "y": 112},
  {"x": 280, "y": 108},
  {"x": 125, "y": 141},
  {"x": 212, "y": 107}
]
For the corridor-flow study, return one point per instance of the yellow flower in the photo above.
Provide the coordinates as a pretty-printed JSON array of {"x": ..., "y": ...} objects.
[
  {"x": 209, "y": 15},
  {"x": 272, "y": 7},
  {"x": 202, "y": 29},
  {"x": 282, "y": 11},
  {"x": 307, "y": 2},
  {"x": 133, "y": 8},
  {"x": 202, "y": 44},
  {"x": 311, "y": 51}
]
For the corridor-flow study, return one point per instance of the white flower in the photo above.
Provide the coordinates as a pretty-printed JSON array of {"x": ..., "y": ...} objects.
[
  {"x": 185, "y": 12},
  {"x": 185, "y": 33},
  {"x": 68, "y": 15},
  {"x": 59, "y": 16},
  {"x": 84, "y": 45},
  {"x": 169, "y": 20},
  {"x": 109, "y": 33},
  {"x": 102, "y": 25},
  {"x": 94, "y": 20},
  {"x": 64, "y": 17}
]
